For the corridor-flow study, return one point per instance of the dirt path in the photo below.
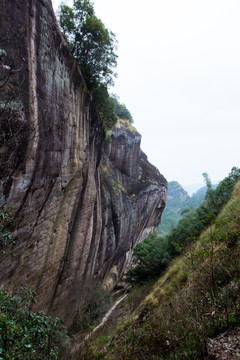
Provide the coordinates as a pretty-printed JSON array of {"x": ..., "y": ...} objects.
[{"x": 88, "y": 337}]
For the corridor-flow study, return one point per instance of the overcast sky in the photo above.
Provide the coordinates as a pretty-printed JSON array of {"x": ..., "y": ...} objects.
[{"x": 179, "y": 75}]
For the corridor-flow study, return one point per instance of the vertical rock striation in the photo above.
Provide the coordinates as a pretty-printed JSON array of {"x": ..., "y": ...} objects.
[
  {"x": 133, "y": 197},
  {"x": 80, "y": 206}
]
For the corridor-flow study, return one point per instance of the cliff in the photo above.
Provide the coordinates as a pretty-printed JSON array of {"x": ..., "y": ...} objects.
[{"x": 80, "y": 204}]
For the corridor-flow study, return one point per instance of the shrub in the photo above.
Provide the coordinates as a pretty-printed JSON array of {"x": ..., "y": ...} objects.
[
  {"x": 151, "y": 257},
  {"x": 25, "y": 334},
  {"x": 121, "y": 110},
  {"x": 104, "y": 105},
  {"x": 94, "y": 303}
]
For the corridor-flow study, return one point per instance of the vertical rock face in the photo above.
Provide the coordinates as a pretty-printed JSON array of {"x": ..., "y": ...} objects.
[
  {"x": 80, "y": 206},
  {"x": 133, "y": 196}
]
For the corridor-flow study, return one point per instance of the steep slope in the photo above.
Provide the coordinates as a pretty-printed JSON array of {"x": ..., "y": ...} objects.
[
  {"x": 75, "y": 221},
  {"x": 197, "y": 299}
]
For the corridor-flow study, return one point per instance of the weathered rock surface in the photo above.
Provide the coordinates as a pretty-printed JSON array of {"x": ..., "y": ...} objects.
[{"x": 80, "y": 206}]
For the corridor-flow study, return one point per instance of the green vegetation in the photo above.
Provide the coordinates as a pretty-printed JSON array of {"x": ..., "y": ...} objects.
[
  {"x": 199, "y": 294},
  {"x": 121, "y": 110},
  {"x": 177, "y": 200},
  {"x": 197, "y": 198},
  {"x": 104, "y": 105},
  {"x": 25, "y": 334},
  {"x": 125, "y": 123},
  {"x": 194, "y": 222},
  {"x": 154, "y": 254},
  {"x": 91, "y": 43},
  {"x": 178, "y": 204},
  {"x": 93, "y": 46},
  {"x": 6, "y": 237},
  {"x": 151, "y": 257},
  {"x": 94, "y": 302}
]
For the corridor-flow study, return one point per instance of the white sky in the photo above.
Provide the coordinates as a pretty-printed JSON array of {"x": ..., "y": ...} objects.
[{"x": 179, "y": 75}]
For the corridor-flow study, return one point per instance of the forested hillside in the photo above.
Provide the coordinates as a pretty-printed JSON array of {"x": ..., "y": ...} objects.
[
  {"x": 197, "y": 297},
  {"x": 178, "y": 203},
  {"x": 177, "y": 199}
]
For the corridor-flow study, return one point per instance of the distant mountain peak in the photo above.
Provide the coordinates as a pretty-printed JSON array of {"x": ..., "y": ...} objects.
[{"x": 192, "y": 188}]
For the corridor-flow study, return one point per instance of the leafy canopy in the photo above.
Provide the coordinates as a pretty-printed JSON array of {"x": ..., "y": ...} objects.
[
  {"x": 121, "y": 109},
  {"x": 150, "y": 258},
  {"x": 93, "y": 46},
  {"x": 91, "y": 43},
  {"x": 25, "y": 334}
]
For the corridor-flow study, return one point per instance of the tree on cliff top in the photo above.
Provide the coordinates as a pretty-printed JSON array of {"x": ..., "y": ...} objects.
[
  {"x": 92, "y": 44},
  {"x": 94, "y": 48},
  {"x": 121, "y": 109}
]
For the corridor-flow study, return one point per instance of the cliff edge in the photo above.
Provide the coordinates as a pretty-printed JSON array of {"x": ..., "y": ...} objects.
[{"x": 80, "y": 203}]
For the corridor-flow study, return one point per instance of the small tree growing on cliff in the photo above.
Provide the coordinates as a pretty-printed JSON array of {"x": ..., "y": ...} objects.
[
  {"x": 93, "y": 45},
  {"x": 121, "y": 109}
]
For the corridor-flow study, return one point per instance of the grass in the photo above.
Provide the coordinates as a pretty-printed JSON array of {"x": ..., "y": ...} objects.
[
  {"x": 197, "y": 298},
  {"x": 126, "y": 124}
]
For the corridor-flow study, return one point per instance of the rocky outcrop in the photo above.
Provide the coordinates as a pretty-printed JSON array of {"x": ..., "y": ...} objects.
[
  {"x": 133, "y": 197},
  {"x": 79, "y": 205}
]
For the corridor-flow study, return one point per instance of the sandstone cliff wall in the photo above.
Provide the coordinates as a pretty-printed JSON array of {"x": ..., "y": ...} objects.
[{"x": 80, "y": 205}]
